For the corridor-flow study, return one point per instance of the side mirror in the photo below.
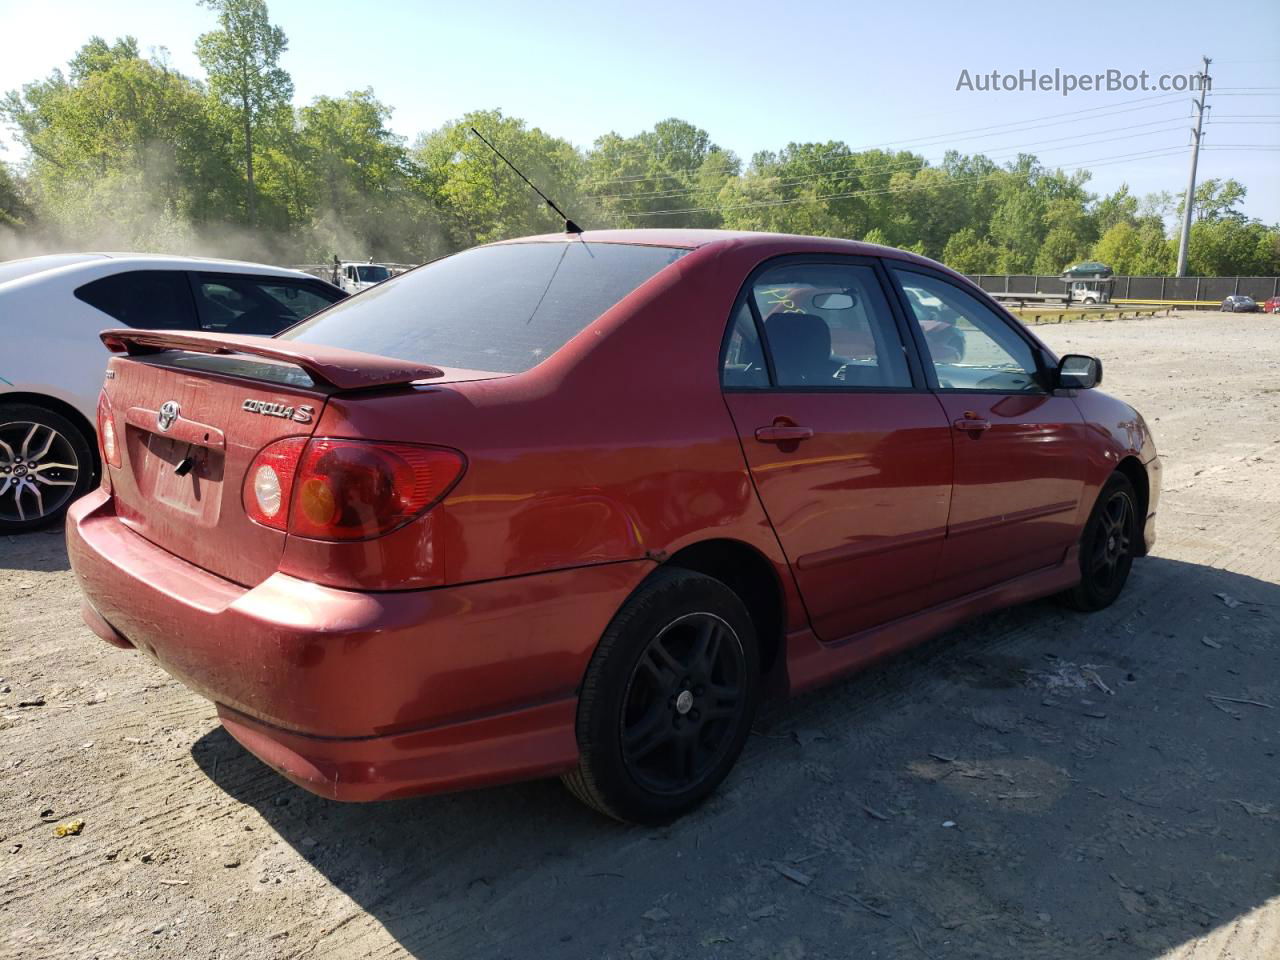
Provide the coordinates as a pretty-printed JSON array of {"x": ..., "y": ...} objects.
[{"x": 1079, "y": 372}]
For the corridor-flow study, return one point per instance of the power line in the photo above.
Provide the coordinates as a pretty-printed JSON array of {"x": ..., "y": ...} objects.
[
  {"x": 1013, "y": 126},
  {"x": 854, "y": 155},
  {"x": 1101, "y": 161},
  {"x": 1012, "y": 150}
]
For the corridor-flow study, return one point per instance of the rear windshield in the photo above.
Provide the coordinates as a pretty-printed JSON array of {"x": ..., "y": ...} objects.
[{"x": 500, "y": 309}]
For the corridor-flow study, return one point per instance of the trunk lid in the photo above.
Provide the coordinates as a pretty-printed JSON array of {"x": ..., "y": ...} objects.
[{"x": 192, "y": 411}]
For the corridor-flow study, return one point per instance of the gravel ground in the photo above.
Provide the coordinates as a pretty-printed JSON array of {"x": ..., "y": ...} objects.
[{"x": 1037, "y": 784}]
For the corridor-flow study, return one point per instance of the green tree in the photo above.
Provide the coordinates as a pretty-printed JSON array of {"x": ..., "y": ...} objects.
[
  {"x": 1116, "y": 208},
  {"x": 1228, "y": 247},
  {"x": 1060, "y": 247},
  {"x": 14, "y": 211},
  {"x": 1217, "y": 200},
  {"x": 966, "y": 252},
  {"x": 352, "y": 183},
  {"x": 480, "y": 199},
  {"x": 119, "y": 147},
  {"x": 671, "y": 175},
  {"x": 242, "y": 59},
  {"x": 1119, "y": 248},
  {"x": 1155, "y": 257}
]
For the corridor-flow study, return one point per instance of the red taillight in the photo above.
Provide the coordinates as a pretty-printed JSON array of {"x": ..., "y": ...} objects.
[
  {"x": 108, "y": 441},
  {"x": 346, "y": 489},
  {"x": 268, "y": 485}
]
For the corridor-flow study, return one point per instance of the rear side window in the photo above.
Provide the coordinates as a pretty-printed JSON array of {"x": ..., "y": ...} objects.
[
  {"x": 236, "y": 303},
  {"x": 299, "y": 299},
  {"x": 150, "y": 299},
  {"x": 744, "y": 364},
  {"x": 828, "y": 326},
  {"x": 500, "y": 309}
]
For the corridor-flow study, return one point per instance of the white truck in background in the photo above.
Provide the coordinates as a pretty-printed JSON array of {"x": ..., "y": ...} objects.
[{"x": 353, "y": 276}]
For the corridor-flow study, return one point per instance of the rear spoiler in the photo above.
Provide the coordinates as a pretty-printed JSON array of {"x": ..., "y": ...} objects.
[{"x": 332, "y": 366}]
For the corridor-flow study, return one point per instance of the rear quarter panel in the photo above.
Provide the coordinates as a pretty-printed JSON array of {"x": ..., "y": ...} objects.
[
  {"x": 52, "y": 345},
  {"x": 618, "y": 447}
]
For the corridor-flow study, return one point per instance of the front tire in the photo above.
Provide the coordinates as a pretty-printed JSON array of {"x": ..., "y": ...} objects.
[
  {"x": 46, "y": 463},
  {"x": 1106, "y": 547},
  {"x": 667, "y": 701}
]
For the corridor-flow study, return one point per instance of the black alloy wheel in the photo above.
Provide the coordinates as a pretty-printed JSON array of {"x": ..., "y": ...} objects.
[
  {"x": 685, "y": 698},
  {"x": 1107, "y": 546},
  {"x": 668, "y": 699}
]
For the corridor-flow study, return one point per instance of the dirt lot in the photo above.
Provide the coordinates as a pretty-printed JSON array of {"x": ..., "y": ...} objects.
[{"x": 1038, "y": 784}]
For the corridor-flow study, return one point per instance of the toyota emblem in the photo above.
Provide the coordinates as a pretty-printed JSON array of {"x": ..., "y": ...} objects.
[{"x": 168, "y": 414}]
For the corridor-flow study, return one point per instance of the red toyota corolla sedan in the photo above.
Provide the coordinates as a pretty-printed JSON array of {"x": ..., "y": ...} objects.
[{"x": 575, "y": 505}]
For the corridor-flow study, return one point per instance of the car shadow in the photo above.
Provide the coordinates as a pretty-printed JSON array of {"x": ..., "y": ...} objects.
[
  {"x": 1037, "y": 782},
  {"x": 43, "y": 550}
]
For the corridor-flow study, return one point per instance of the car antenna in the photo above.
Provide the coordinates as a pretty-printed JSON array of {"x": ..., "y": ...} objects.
[{"x": 569, "y": 225}]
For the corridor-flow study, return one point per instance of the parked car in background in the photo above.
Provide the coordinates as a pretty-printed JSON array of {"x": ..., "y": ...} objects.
[
  {"x": 1238, "y": 303},
  {"x": 51, "y": 311},
  {"x": 578, "y": 504},
  {"x": 1271, "y": 305}
]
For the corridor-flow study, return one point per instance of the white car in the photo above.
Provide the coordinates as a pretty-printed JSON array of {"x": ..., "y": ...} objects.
[{"x": 52, "y": 362}]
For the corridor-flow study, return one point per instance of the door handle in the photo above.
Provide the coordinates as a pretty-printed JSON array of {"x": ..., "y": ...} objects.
[
  {"x": 972, "y": 423},
  {"x": 783, "y": 433}
]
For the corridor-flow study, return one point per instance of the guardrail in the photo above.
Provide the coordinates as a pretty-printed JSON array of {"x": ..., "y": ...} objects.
[{"x": 1041, "y": 318}]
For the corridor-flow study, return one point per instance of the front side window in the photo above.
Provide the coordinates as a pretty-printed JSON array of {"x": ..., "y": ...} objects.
[
  {"x": 970, "y": 345},
  {"x": 828, "y": 325},
  {"x": 500, "y": 309},
  {"x": 148, "y": 299}
]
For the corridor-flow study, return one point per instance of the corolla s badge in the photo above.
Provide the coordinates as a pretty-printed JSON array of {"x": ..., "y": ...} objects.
[
  {"x": 168, "y": 415},
  {"x": 268, "y": 408}
]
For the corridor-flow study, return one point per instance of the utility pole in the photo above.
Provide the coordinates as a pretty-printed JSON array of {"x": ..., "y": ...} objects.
[{"x": 1185, "y": 239}]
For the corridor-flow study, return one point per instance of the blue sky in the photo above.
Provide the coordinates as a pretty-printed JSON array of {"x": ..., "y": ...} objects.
[{"x": 757, "y": 75}]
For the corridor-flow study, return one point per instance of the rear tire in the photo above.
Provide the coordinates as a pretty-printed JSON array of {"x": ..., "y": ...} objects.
[
  {"x": 1106, "y": 547},
  {"x": 667, "y": 701},
  {"x": 46, "y": 464}
]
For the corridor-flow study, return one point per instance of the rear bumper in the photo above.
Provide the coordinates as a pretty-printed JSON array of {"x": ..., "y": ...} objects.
[
  {"x": 521, "y": 745},
  {"x": 360, "y": 696}
]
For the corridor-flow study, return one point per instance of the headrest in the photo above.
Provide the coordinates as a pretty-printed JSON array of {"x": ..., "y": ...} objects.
[{"x": 800, "y": 335}]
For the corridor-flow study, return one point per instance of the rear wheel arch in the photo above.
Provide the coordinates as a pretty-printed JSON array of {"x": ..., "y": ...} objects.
[{"x": 752, "y": 576}]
